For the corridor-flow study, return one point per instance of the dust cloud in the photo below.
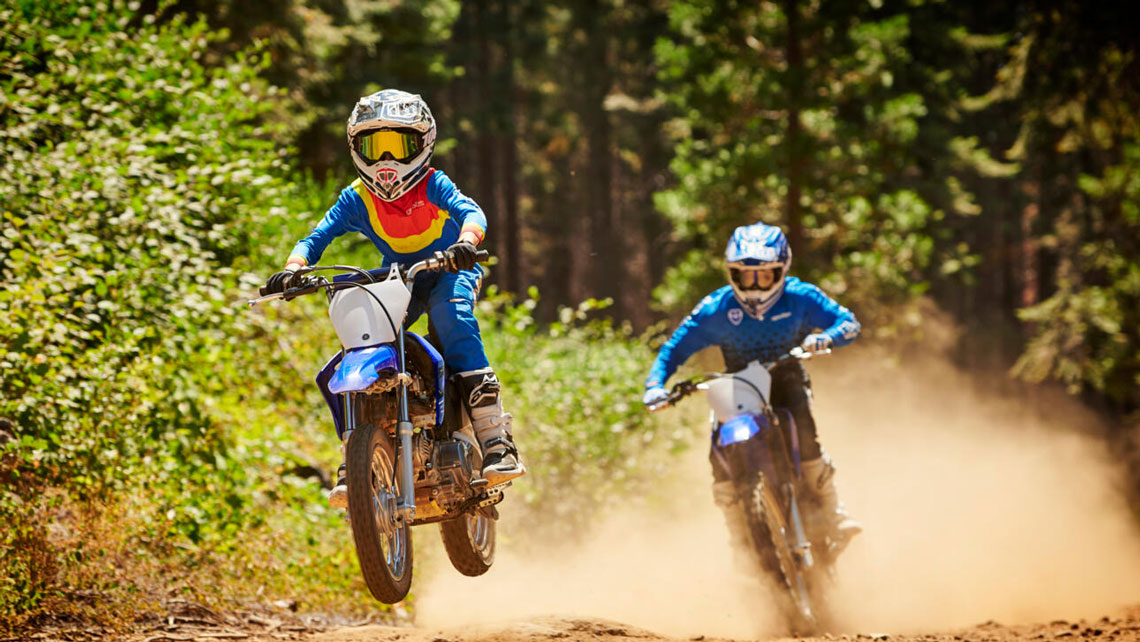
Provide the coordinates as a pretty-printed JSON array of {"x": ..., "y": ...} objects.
[
  {"x": 975, "y": 507},
  {"x": 668, "y": 577}
]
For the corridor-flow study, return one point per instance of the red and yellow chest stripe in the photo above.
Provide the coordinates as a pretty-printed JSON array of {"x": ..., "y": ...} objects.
[{"x": 408, "y": 224}]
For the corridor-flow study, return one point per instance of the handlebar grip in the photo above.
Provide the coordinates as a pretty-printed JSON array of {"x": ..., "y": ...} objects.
[
  {"x": 307, "y": 287},
  {"x": 482, "y": 255}
]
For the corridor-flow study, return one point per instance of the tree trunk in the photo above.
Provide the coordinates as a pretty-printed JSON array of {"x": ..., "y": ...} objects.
[
  {"x": 486, "y": 137},
  {"x": 512, "y": 247},
  {"x": 598, "y": 183},
  {"x": 796, "y": 158}
]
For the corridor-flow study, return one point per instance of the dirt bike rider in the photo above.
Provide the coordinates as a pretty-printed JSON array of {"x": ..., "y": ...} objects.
[
  {"x": 411, "y": 212},
  {"x": 761, "y": 315}
]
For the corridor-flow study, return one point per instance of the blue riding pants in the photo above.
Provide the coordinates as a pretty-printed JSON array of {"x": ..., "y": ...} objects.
[{"x": 449, "y": 300}]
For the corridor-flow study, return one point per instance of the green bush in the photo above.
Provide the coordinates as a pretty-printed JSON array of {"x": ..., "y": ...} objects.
[
  {"x": 153, "y": 424},
  {"x": 132, "y": 178},
  {"x": 574, "y": 388}
]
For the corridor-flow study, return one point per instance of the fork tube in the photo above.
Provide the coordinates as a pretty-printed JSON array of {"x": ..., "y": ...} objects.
[
  {"x": 802, "y": 544},
  {"x": 349, "y": 400},
  {"x": 407, "y": 505}
]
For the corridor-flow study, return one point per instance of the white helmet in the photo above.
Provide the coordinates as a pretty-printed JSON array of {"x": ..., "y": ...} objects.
[
  {"x": 753, "y": 248},
  {"x": 391, "y": 135}
]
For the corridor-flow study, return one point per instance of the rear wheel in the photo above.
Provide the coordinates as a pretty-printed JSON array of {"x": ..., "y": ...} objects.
[
  {"x": 470, "y": 542},
  {"x": 382, "y": 538}
]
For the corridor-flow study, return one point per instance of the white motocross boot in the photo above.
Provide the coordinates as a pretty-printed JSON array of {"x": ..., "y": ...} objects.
[
  {"x": 501, "y": 462},
  {"x": 338, "y": 496},
  {"x": 828, "y": 516}
]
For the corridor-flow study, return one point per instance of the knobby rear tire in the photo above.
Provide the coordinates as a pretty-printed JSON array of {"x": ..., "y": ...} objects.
[
  {"x": 371, "y": 474},
  {"x": 470, "y": 542}
]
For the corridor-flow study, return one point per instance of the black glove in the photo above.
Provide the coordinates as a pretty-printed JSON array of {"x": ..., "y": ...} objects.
[
  {"x": 279, "y": 282},
  {"x": 462, "y": 256}
]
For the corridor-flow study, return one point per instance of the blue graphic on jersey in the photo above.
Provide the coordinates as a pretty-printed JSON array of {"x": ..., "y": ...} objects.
[{"x": 717, "y": 321}]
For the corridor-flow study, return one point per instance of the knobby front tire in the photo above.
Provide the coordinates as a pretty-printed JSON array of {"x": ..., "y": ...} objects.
[{"x": 383, "y": 542}]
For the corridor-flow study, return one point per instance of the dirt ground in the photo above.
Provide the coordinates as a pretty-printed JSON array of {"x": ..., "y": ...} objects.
[
  {"x": 987, "y": 519},
  {"x": 1107, "y": 629},
  {"x": 1123, "y": 627}
]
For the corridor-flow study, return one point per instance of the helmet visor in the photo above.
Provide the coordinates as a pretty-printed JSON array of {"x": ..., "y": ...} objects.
[
  {"x": 755, "y": 277},
  {"x": 386, "y": 143}
]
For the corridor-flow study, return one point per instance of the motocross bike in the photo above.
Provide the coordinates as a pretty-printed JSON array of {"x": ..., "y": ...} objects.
[
  {"x": 410, "y": 453},
  {"x": 757, "y": 447}
]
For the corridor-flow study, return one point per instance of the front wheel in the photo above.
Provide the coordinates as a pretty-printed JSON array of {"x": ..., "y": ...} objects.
[
  {"x": 769, "y": 531},
  {"x": 382, "y": 538},
  {"x": 470, "y": 542}
]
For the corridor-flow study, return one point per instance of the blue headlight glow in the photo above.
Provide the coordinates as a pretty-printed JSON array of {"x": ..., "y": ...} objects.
[
  {"x": 361, "y": 368},
  {"x": 739, "y": 428}
]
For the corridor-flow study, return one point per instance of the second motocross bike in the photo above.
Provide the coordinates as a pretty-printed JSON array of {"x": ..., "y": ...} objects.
[
  {"x": 757, "y": 447},
  {"x": 410, "y": 454}
]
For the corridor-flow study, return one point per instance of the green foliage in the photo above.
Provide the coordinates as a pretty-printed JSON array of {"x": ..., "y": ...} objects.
[
  {"x": 574, "y": 388},
  {"x": 328, "y": 53},
  {"x": 1087, "y": 334},
  {"x": 132, "y": 180},
  {"x": 1068, "y": 79},
  {"x": 839, "y": 131},
  {"x": 986, "y": 159}
]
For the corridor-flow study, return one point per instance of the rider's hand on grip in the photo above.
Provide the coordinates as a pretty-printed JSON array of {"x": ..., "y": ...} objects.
[
  {"x": 654, "y": 397},
  {"x": 816, "y": 343},
  {"x": 301, "y": 286},
  {"x": 461, "y": 256},
  {"x": 278, "y": 282}
]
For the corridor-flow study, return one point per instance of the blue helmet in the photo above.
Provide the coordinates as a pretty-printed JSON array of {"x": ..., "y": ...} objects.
[{"x": 751, "y": 249}]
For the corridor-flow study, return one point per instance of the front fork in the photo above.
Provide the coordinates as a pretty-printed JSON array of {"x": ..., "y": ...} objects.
[
  {"x": 802, "y": 545},
  {"x": 406, "y": 504},
  {"x": 406, "y": 507}
]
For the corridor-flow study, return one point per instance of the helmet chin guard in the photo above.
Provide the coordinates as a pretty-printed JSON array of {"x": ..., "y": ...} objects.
[
  {"x": 391, "y": 110},
  {"x": 757, "y": 247}
]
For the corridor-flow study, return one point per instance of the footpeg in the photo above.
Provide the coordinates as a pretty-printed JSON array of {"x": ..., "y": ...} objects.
[
  {"x": 490, "y": 496},
  {"x": 494, "y": 495}
]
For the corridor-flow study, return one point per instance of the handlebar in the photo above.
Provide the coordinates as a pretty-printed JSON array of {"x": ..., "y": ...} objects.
[
  {"x": 438, "y": 262},
  {"x": 309, "y": 285},
  {"x": 684, "y": 388}
]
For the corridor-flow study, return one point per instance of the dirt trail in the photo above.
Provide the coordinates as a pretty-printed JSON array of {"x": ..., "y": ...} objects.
[
  {"x": 1123, "y": 627},
  {"x": 977, "y": 508},
  {"x": 1118, "y": 629}
]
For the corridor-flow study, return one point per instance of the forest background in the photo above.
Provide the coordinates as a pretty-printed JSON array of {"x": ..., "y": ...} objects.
[{"x": 932, "y": 163}]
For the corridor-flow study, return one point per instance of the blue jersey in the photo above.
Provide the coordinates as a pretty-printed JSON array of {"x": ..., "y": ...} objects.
[
  {"x": 430, "y": 217},
  {"x": 718, "y": 320}
]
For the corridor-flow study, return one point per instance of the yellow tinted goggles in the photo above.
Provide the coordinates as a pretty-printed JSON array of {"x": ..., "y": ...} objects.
[
  {"x": 374, "y": 146},
  {"x": 755, "y": 278}
]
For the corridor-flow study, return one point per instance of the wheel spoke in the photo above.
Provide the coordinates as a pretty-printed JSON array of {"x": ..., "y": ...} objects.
[{"x": 392, "y": 537}]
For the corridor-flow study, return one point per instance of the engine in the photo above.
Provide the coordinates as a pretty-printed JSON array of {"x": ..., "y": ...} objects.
[{"x": 444, "y": 469}]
